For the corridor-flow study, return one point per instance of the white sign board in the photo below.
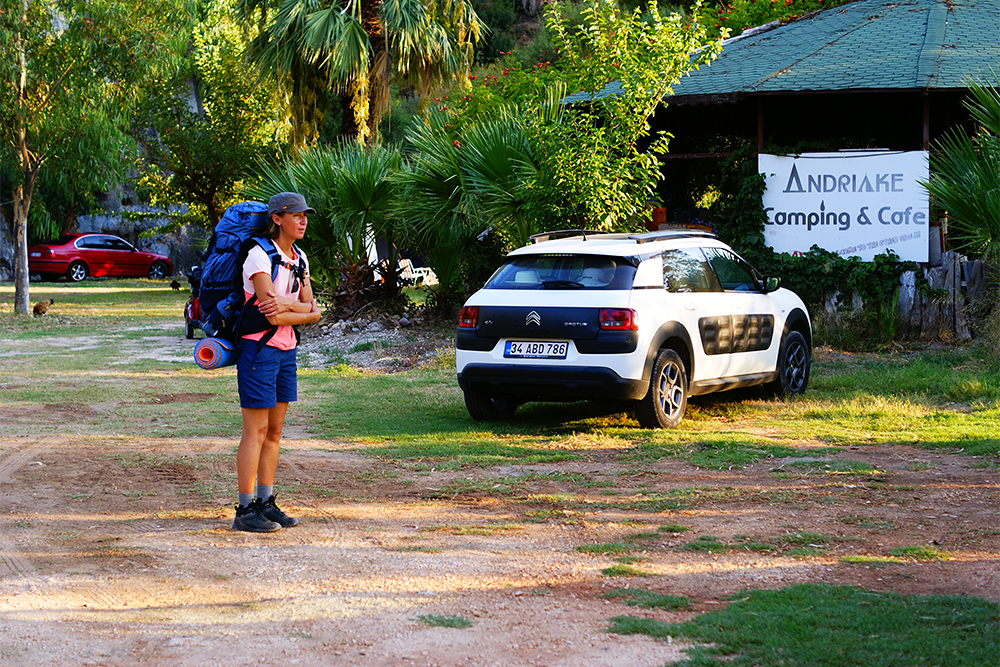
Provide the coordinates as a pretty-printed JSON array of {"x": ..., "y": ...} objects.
[{"x": 852, "y": 203}]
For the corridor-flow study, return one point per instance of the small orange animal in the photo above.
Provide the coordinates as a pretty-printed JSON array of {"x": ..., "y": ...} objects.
[{"x": 42, "y": 307}]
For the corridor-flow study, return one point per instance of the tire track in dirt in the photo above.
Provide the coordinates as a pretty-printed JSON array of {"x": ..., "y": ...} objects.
[
  {"x": 12, "y": 562},
  {"x": 334, "y": 527}
]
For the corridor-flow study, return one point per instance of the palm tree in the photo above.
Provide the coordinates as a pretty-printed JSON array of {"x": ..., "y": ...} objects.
[
  {"x": 460, "y": 184},
  {"x": 353, "y": 189},
  {"x": 965, "y": 175},
  {"x": 354, "y": 49}
]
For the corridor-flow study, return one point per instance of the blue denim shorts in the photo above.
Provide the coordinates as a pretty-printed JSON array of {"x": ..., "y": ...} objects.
[{"x": 265, "y": 375}]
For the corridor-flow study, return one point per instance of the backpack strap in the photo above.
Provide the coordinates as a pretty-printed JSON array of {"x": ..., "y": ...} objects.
[{"x": 272, "y": 253}]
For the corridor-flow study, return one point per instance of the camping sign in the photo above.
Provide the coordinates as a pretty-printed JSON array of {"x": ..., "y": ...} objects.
[{"x": 859, "y": 203}]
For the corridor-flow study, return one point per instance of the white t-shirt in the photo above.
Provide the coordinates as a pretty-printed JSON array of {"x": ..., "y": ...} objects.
[{"x": 259, "y": 262}]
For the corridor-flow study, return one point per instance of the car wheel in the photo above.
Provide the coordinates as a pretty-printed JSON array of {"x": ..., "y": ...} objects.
[
  {"x": 666, "y": 400},
  {"x": 76, "y": 272},
  {"x": 158, "y": 270},
  {"x": 484, "y": 408},
  {"x": 794, "y": 360}
]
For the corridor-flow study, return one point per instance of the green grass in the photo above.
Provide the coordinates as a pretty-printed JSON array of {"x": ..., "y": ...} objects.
[
  {"x": 877, "y": 561},
  {"x": 832, "y": 467},
  {"x": 108, "y": 352},
  {"x": 442, "y": 621},
  {"x": 923, "y": 554},
  {"x": 626, "y": 570},
  {"x": 638, "y": 597},
  {"x": 707, "y": 544},
  {"x": 814, "y": 625}
]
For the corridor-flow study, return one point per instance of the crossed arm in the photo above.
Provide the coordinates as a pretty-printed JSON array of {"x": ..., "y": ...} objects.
[{"x": 281, "y": 310}]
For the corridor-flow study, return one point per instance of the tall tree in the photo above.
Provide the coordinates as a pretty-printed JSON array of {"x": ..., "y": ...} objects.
[
  {"x": 68, "y": 71},
  {"x": 206, "y": 127},
  {"x": 354, "y": 49}
]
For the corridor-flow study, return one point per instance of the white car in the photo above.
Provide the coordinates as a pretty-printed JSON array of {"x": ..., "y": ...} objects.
[{"x": 651, "y": 318}]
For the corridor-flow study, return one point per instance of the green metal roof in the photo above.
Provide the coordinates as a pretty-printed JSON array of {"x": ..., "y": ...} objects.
[{"x": 867, "y": 44}]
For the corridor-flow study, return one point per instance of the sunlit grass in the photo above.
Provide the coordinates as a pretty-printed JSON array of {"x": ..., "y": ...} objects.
[
  {"x": 814, "y": 624},
  {"x": 116, "y": 348}
]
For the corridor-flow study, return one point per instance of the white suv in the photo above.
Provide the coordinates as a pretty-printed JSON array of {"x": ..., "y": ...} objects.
[{"x": 651, "y": 318}]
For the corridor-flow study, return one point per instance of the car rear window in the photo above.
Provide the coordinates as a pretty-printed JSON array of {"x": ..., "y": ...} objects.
[{"x": 589, "y": 272}]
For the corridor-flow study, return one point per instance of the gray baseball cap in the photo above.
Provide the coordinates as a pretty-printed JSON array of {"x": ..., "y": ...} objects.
[{"x": 287, "y": 202}]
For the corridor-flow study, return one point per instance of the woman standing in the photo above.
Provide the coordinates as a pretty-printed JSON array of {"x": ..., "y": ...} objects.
[{"x": 266, "y": 368}]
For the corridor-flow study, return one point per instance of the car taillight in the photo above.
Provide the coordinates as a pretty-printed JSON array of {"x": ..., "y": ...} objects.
[
  {"x": 467, "y": 317},
  {"x": 618, "y": 318}
]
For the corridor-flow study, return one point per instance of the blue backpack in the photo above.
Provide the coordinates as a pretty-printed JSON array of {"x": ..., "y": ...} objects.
[{"x": 226, "y": 314}]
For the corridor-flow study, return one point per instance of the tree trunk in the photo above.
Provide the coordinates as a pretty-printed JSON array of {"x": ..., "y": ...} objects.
[
  {"x": 21, "y": 205},
  {"x": 22, "y": 194}
]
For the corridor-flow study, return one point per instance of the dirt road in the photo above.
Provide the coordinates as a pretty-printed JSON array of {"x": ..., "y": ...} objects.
[{"x": 118, "y": 551}]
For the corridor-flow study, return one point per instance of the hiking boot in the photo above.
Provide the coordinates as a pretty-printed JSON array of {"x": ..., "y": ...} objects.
[
  {"x": 271, "y": 512},
  {"x": 251, "y": 519}
]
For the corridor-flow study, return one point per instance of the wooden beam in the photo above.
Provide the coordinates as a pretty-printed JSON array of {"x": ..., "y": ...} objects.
[{"x": 760, "y": 125}]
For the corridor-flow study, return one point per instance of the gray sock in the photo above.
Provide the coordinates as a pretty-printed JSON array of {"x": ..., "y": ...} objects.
[
  {"x": 245, "y": 499},
  {"x": 264, "y": 492}
]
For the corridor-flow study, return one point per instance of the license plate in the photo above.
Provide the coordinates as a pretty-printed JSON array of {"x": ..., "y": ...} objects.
[{"x": 535, "y": 349}]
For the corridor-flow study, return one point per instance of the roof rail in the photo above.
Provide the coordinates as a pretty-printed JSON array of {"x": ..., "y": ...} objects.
[
  {"x": 649, "y": 237},
  {"x": 564, "y": 233}
]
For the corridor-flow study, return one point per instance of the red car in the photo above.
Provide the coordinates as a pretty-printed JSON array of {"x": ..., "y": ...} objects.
[{"x": 77, "y": 256}]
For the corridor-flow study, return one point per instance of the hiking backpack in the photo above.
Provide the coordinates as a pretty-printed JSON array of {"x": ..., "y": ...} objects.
[{"x": 225, "y": 312}]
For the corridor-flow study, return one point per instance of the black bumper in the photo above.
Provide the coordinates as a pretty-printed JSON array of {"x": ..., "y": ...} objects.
[{"x": 545, "y": 383}]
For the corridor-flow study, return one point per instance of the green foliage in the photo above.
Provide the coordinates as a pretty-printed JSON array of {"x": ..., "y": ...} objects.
[
  {"x": 965, "y": 175},
  {"x": 63, "y": 132},
  {"x": 499, "y": 19},
  {"x": 356, "y": 49},
  {"x": 66, "y": 89},
  {"x": 355, "y": 193},
  {"x": 200, "y": 154},
  {"x": 819, "y": 626},
  {"x": 738, "y": 15},
  {"x": 508, "y": 156},
  {"x": 816, "y": 275}
]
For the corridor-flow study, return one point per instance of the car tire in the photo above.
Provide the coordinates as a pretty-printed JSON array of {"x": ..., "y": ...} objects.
[
  {"x": 76, "y": 272},
  {"x": 794, "y": 361},
  {"x": 665, "y": 402},
  {"x": 484, "y": 408},
  {"x": 158, "y": 270}
]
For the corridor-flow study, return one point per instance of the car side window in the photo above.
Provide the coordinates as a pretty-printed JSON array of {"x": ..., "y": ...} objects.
[
  {"x": 117, "y": 244},
  {"x": 734, "y": 273},
  {"x": 685, "y": 270},
  {"x": 90, "y": 242}
]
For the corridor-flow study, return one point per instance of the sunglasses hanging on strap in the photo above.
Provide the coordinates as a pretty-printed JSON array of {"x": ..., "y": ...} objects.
[{"x": 298, "y": 273}]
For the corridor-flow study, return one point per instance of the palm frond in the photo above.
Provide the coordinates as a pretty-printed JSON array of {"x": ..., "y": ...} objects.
[{"x": 965, "y": 175}]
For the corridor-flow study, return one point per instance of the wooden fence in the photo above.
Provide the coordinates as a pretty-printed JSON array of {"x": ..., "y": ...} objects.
[{"x": 944, "y": 314}]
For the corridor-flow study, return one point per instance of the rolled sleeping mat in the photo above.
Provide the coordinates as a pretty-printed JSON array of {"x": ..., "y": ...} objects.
[{"x": 212, "y": 353}]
